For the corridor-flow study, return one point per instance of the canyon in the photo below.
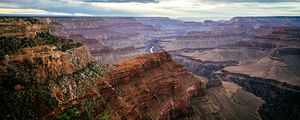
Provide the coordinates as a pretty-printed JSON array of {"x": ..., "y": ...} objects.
[
  {"x": 265, "y": 65},
  {"x": 149, "y": 68}
]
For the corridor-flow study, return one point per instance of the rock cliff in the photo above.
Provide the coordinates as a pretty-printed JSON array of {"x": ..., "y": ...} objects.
[
  {"x": 265, "y": 65},
  {"x": 209, "y": 39},
  {"x": 18, "y": 27},
  {"x": 282, "y": 65},
  {"x": 285, "y": 35},
  {"x": 46, "y": 62},
  {"x": 116, "y": 32},
  {"x": 107, "y": 38}
]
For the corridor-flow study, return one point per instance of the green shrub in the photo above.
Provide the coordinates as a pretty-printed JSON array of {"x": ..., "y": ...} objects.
[
  {"x": 69, "y": 114},
  {"x": 57, "y": 23},
  {"x": 89, "y": 107},
  {"x": 104, "y": 116},
  {"x": 26, "y": 19},
  {"x": 45, "y": 92},
  {"x": 100, "y": 69},
  {"x": 62, "y": 44},
  {"x": 11, "y": 45},
  {"x": 32, "y": 20}
]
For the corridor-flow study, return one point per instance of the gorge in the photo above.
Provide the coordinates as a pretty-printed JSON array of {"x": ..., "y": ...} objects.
[{"x": 149, "y": 68}]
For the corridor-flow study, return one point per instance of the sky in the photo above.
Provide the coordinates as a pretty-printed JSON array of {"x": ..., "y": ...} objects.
[{"x": 181, "y": 9}]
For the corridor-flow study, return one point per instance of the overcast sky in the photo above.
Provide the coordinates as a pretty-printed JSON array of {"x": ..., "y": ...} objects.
[{"x": 187, "y": 9}]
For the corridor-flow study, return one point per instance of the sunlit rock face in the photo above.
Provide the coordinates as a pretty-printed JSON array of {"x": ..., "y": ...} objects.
[
  {"x": 156, "y": 85},
  {"x": 45, "y": 62},
  {"x": 16, "y": 27}
]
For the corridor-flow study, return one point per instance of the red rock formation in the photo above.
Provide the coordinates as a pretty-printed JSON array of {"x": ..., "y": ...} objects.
[
  {"x": 148, "y": 87},
  {"x": 101, "y": 29},
  {"x": 104, "y": 35},
  {"x": 45, "y": 62},
  {"x": 95, "y": 47},
  {"x": 210, "y": 39},
  {"x": 155, "y": 85},
  {"x": 282, "y": 36},
  {"x": 20, "y": 27}
]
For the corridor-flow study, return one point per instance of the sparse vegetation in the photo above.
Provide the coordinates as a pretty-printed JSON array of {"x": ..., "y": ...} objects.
[
  {"x": 94, "y": 67},
  {"x": 45, "y": 92},
  {"x": 69, "y": 114},
  {"x": 87, "y": 74},
  {"x": 104, "y": 116},
  {"x": 89, "y": 107},
  {"x": 100, "y": 69},
  {"x": 11, "y": 45},
  {"x": 62, "y": 44},
  {"x": 22, "y": 104},
  {"x": 32, "y": 20},
  {"x": 56, "y": 23}
]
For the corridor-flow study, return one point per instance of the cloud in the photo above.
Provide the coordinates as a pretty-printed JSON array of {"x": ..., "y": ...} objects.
[
  {"x": 263, "y": 1},
  {"x": 194, "y": 8},
  {"x": 121, "y": 1},
  {"x": 60, "y": 6},
  {"x": 36, "y": 12},
  {"x": 165, "y": 8},
  {"x": 154, "y": 1}
]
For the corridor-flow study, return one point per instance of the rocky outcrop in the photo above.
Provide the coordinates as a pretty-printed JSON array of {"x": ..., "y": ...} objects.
[
  {"x": 18, "y": 27},
  {"x": 130, "y": 69},
  {"x": 156, "y": 86},
  {"x": 45, "y": 62}
]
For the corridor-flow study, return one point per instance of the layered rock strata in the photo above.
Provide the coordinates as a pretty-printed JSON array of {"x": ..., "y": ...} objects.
[
  {"x": 18, "y": 27},
  {"x": 56, "y": 78}
]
